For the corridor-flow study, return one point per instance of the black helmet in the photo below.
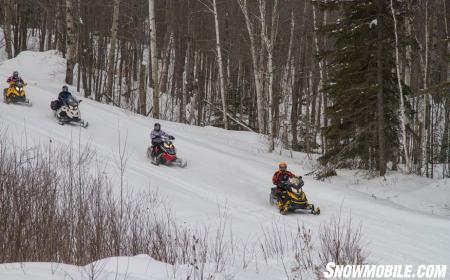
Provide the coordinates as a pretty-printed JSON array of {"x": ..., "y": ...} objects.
[
  {"x": 65, "y": 88},
  {"x": 15, "y": 74},
  {"x": 157, "y": 126}
]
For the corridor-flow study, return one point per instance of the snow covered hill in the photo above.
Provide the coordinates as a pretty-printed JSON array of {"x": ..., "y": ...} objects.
[{"x": 405, "y": 219}]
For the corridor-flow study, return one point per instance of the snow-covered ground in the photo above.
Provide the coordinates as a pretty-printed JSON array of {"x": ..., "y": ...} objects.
[{"x": 405, "y": 219}]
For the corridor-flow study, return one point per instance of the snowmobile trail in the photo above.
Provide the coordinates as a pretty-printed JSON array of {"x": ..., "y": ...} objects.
[{"x": 224, "y": 167}]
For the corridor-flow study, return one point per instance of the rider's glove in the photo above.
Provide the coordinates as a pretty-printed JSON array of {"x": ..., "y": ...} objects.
[
  {"x": 301, "y": 183},
  {"x": 171, "y": 137}
]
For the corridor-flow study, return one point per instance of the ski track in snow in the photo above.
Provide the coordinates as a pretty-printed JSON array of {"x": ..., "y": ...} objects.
[{"x": 224, "y": 167}]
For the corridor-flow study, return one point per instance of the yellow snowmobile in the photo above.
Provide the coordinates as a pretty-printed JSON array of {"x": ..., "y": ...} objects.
[
  {"x": 16, "y": 94},
  {"x": 293, "y": 196}
]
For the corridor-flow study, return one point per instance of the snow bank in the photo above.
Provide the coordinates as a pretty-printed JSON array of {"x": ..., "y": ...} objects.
[
  {"x": 417, "y": 193},
  {"x": 141, "y": 267}
]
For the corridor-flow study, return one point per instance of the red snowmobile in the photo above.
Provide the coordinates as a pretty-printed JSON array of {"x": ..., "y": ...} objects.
[{"x": 165, "y": 153}]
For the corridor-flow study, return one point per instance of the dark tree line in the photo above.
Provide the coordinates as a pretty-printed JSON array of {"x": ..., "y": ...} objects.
[{"x": 363, "y": 83}]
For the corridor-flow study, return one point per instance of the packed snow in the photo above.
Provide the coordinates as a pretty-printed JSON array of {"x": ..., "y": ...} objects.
[{"x": 405, "y": 219}]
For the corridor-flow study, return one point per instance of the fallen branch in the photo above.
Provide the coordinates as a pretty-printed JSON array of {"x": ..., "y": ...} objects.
[{"x": 239, "y": 122}]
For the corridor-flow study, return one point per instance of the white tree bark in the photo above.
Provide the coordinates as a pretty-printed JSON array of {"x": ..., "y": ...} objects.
[
  {"x": 269, "y": 43},
  {"x": 321, "y": 67},
  {"x": 71, "y": 44},
  {"x": 425, "y": 97},
  {"x": 257, "y": 72},
  {"x": 402, "y": 102},
  {"x": 220, "y": 65},
  {"x": 112, "y": 51},
  {"x": 154, "y": 58},
  {"x": 287, "y": 85}
]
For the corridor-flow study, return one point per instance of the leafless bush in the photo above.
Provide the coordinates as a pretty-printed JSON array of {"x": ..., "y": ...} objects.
[
  {"x": 55, "y": 207},
  {"x": 293, "y": 249},
  {"x": 340, "y": 242}
]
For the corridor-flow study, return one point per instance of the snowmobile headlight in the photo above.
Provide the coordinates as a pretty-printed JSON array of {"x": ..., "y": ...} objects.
[
  {"x": 166, "y": 145},
  {"x": 18, "y": 88}
]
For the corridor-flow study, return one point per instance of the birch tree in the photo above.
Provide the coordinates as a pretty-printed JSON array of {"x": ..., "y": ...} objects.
[
  {"x": 112, "y": 51},
  {"x": 154, "y": 58},
  {"x": 220, "y": 65},
  {"x": 71, "y": 44},
  {"x": 320, "y": 64},
  {"x": 269, "y": 42},
  {"x": 424, "y": 131},
  {"x": 287, "y": 86},
  {"x": 403, "y": 119},
  {"x": 257, "y": 71}
]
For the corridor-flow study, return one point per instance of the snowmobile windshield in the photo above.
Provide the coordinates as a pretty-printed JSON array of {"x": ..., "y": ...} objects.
[
  {"x": 72, "y": 102},
  {"x": 294, "y": 181}
]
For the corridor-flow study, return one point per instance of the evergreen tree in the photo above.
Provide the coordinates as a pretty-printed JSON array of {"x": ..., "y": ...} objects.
[{"x": 361, "y": 74}]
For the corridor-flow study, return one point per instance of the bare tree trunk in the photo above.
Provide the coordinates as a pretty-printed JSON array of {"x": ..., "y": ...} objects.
[
  {"x": 201, "y": 87},
  {"x": 402, "y": 102},
  {"x": 220, "y": 62},
  {"x": 151, "y": 8},
  {"x": 380, "y": 108},
  {"x": 256, "y": 66},
  {"x": 425, "y": 98},
  {"x": 166, "y": 63},
  {"x": 269, "y": 46},
  {"x": 187, "y": 79},
  {"x": 308, "y": 98},
  {"x": 142, "y": 91},
  {"x": 287, "y": 86},
  {"x": 321, "y": 72},
  {"x": 7, "y": 27},
  {"x": 112, "y": 50},
  {"x": 71, "y": 44},
  {"x": 445, "y": 145}
]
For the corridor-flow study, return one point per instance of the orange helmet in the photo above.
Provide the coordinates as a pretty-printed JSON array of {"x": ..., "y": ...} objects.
[{"x": 282, "y": 165}]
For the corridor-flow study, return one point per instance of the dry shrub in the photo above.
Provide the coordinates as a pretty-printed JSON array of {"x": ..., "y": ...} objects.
[
  {"x": 341, "y": 243},
  {"x": 56, "y": 207}
]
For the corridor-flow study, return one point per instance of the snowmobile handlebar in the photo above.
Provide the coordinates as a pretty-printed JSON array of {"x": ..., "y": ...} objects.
[
  {"x": 168, "y": 137},
  {"x": 17, "y": 84},
  {"x": 288, "y": 184}
]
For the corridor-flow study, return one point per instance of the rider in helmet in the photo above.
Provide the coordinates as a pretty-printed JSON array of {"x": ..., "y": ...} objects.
[
  {"x": 279, "y": 179},
  {"x": 157, "y": 138},
  {"x": 12, "y": 81},
  {"x": 15, "y": 78},
  {"x": 64, "y": 95}
]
